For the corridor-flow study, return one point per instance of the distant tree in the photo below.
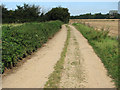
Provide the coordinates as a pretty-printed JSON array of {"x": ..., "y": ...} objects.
[
  {"x": 0, "y": 14},
  {"x": 96, "y": 16},
  {"x": 58, "y": 13},
  {"x": 99, "y": 16},
  {"x": 27, "y": 12},
  {"x": 5, "y": 13}
]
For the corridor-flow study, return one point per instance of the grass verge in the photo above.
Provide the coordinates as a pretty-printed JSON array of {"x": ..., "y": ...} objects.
[
  {"x": 106, "y": 48},
  {"x": 55, "y": 77}
]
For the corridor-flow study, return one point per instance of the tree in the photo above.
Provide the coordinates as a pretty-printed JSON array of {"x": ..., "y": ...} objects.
[
  {"x": 31, "y": 13},
  {"x": 99, "y": 16},
  {"x": 96, "y": 16},
  {"x": 27, "y": 13},
  {"x": 4, "y": 13},
  {"x": 58, "y": 13}
]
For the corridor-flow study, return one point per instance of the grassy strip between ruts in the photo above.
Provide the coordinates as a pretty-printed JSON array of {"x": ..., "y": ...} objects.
[
  {"x": 55, "y": 77},
  {"x": 106, "y": 48}
]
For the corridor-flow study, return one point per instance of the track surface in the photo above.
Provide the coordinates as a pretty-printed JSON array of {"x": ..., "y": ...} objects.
[
  {"x": 34, "y": 73},
  {"x": 82, "y": 68}
]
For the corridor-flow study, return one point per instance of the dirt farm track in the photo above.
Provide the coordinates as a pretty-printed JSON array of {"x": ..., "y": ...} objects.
[{"x": 82, "y": 68}]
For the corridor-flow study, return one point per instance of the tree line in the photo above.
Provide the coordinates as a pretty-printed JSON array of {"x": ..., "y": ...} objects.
[
  {"x": 96, "y": 16},
  {"x": 33, "y": 13}
]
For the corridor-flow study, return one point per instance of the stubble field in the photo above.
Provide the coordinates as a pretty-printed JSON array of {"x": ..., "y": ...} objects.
[{"x": 100, "y": 24}]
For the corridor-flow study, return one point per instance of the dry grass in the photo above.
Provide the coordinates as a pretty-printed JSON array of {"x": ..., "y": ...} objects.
[{"x": 100, "y": 24}]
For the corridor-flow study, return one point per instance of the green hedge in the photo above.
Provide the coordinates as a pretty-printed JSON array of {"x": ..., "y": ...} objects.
[
  {"x": 20, "y": 41},
  {"x": 105, "y": 46}
]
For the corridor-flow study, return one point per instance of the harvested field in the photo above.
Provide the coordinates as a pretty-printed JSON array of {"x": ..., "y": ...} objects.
[{"x": 100, "y": 24}]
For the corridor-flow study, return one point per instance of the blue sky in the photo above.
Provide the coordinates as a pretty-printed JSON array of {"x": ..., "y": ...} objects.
[
  {"x": 60, "y": 0},
  {"x": 75, "y": 8}
]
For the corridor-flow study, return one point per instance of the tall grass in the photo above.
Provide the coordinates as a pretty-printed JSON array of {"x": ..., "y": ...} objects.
[{"x": 106, "y": 48}]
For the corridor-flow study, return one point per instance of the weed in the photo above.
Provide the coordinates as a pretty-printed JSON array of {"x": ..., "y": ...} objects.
[
  {"x": 55, "y": 77},
  {"x": 105, "y": 46}
]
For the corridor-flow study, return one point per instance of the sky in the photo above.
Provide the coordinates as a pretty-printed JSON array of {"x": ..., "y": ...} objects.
[
  {"x": 60, "y": 0},
  {"x": 76, "y": 7}
]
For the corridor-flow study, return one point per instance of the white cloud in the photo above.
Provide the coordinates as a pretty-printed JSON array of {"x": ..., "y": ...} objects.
[{"x": 60, "y": 0}]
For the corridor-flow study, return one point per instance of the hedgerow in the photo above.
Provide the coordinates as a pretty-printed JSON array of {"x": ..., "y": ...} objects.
[{"x": 20, "y": 41}]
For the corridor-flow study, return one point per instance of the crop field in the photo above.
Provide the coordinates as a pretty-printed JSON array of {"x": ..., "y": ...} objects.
[
  {"x": 100, "y": 24},
  {"x": 24, "y": 39},
  {"x": 13, "y": 24}
]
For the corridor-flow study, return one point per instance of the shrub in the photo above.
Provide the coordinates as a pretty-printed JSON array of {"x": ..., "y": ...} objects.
[{"x": 20, "y": 41}]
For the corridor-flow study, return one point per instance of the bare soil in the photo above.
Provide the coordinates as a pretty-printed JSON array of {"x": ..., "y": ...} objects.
[
  {"x": 83, "y": 68},
  {"x": 35, "y": 71}
]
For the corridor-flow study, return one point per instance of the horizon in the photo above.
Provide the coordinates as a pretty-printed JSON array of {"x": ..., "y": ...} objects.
[{"x": 75, "y": 8}]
